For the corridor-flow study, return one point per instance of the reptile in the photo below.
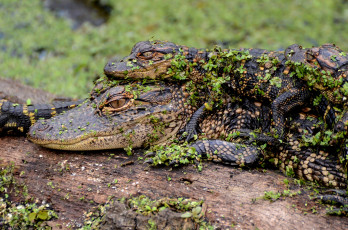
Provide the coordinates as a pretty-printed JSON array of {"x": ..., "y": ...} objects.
[
  {"x": 17, "y": 118},
  {"x": 284, "y": 79},
  {"x": 129, "y": 115},
  {"x": 132, "y": 115},
  {"x": 142, "y": 115},
  {"x": 126, "y": 114}
]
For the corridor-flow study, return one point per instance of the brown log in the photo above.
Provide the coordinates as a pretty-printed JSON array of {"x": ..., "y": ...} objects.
[{"x": 82, "y": 181}]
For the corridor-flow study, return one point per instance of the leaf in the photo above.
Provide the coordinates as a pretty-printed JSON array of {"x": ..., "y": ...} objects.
[
  {"x": 186, "y": 215},
  {"x": 32, "y": 217},
  {"x": 29, "y": 101},
  {"x": 43, "y": 215},
  {"x": 196, "y": 210}
]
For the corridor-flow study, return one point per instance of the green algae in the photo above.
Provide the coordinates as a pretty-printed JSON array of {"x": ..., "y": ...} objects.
[{"x": 42, "y": 50}]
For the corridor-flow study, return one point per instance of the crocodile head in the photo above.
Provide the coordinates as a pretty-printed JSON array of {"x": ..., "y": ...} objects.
[
  {"x": 122, "y": 116},
  {"x": 152, "y": 60},
  {"x": 331, "y": 64}
]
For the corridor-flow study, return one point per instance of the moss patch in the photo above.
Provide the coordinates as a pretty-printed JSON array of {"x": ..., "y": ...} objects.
[{"x": 43, "y": 51}]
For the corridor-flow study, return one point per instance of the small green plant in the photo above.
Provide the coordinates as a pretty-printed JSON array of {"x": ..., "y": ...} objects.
[
  {"x": 25, "y": 216},
  {"x": 191, "y": 209},
  {"x": 20, "y": 215},
  {"x": 174, "y": 155},
  {"x": 94, "y": 218},
  {"x": 273, "y": 196}
]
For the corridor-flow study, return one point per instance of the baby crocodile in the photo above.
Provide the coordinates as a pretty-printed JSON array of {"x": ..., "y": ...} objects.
[
  {"x": 140, "y": 115},
  {"x": 277, "y": 78}
]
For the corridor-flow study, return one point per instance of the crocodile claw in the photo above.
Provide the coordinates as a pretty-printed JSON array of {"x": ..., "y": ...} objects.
[
  {"x": 190, "y": 133},
  {"x": 192, "y": 127},
  {"x": 150, "y": 154},
  {"x": 148, "y": 161},
  {"x": 260, "y": 138},
  {"x": 340, "y": 198}
]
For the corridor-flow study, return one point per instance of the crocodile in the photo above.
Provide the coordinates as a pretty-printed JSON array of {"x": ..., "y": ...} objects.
[
  {"x": 17, "y": 118},
  {"x": 126, "y": 113},
  {"x": 283, "y": 79},
  {"x": 134, "y": 115}
]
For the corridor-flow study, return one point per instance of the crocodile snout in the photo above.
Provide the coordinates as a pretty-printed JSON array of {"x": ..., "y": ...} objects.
[
  {"x": 39, "y": 130},
  {"x": 109, "y": 68},
  {"x": 115, "y": 67}
]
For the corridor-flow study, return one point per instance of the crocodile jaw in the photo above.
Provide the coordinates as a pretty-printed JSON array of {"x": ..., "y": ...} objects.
[
  {"x": 81, "y": 129},
  {"x": 90, "y": 143},
  {"x": 154, "y": 71},
  {"x": 103, "y": 142}
]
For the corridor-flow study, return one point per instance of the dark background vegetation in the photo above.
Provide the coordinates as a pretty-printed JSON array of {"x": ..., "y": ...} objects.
[{"x": 62, "y": 45}]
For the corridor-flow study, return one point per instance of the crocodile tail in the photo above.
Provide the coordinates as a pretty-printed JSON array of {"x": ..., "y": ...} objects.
[
  {"x": 312, "y": 165},
  {"x": 228, "y": 152},
  {"x": 17, "y": 118}
]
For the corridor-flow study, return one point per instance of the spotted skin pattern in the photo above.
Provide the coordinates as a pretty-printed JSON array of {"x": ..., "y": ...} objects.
[
  {"x": 121, "y": 117},
  {"x": 157, "y": 111},
  {"x": 307, "y": 162},
  {"x": 262, "y": 75},
  {"x": 156, "y": 114},
  {"x": 17, "y": 118}
]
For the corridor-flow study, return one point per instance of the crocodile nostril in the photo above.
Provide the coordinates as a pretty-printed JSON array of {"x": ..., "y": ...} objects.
[{"x": 42, "y": 126}]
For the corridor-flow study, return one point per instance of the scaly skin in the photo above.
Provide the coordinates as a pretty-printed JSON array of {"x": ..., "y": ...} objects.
[
  {"x": 139, "y": 115},
  {"x": 116, "y": 118},
  {"x": 271, "y": 77},
  {"x": 145, "y": 115},
  {"x": 326, "y": 58},
  {"x": 17, "y": 118}
]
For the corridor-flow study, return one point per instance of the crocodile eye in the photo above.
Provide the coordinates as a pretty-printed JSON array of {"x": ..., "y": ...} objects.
[
  {"x": 117, "y": 103},
  {"x": 310, "y": 57},
  {"x": 148, "y": 54}
]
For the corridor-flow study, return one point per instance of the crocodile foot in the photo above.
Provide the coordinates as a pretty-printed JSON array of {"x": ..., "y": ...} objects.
[
  {"x": 339, "y": 198},
  {"x": 258, "y": 138},
  {"x": 192, "y": 128},
  {"x": 216, "y": 150}
]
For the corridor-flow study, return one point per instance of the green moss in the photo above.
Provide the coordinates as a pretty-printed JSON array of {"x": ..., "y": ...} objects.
[
  {"x": 43, "y": 51},
  {"x": 174, "y": 155},
  {"x": 23, "y": 215},
  {"x": 189, "y": 208}
]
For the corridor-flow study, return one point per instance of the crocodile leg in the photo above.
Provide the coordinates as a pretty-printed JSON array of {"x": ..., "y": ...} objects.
[
  {"x": 191, "y": 127},
  {"x": 283, "y": 104},
  {"x": 259, "y": 138},
  {"x": 325, "y": 108},
  {"x": 17, "y": 118},
  {"x": 339, "y": 198},
  {"x": 227, "y": 152}
]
